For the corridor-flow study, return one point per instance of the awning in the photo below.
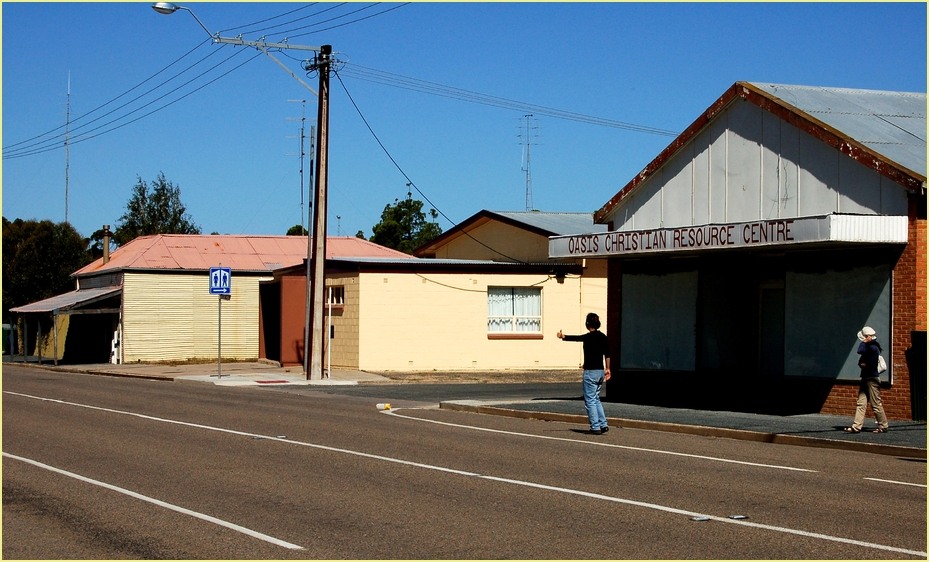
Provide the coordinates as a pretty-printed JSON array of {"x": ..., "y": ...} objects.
[
  {"x": 69, "y": 301},
  {"x": 829, "y": 229}
]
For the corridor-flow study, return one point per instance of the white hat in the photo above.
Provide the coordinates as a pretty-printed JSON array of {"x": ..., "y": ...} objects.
[{"x": 867, "y": 331}]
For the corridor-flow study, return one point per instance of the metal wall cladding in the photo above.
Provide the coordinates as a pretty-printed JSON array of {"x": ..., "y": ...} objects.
[
  {"x": 173, "y": 317},
  {"x": 749, "y": 165}
]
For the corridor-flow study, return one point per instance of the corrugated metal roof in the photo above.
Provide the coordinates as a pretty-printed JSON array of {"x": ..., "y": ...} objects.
[
  {"x": 68, "y": 301},
  {"x": 556, "y": 224},
  {"x": 183, "y": 252},
  {"x": 890, "y": 123}
]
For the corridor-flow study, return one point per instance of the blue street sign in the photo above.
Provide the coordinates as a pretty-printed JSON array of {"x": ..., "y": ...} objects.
[{"x": 220, "y": 281}]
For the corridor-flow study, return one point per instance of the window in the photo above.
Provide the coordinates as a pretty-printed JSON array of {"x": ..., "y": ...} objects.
[
  {"x": 514, "y": 310},
  {"x": 335, "y": 295}
]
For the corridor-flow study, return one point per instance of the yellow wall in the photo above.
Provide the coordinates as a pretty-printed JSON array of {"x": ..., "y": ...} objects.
[
  {"x": 511, "y": 242},
  {"x": 173, "y": 317},
  {"x": 412, "y": 322}
]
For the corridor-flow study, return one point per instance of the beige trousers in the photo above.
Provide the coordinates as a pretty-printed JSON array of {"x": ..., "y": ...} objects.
[{"x": 870, "y": 393}]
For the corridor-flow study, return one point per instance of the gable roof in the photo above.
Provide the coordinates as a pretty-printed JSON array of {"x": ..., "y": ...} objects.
[
  {"x": 885, "y": 131},
  {"x": 258, "y": 254},
  {"x": 544, "y": 224}
]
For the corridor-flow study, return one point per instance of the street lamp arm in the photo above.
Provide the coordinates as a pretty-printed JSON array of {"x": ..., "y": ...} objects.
[{"x": 168, "y": 8}]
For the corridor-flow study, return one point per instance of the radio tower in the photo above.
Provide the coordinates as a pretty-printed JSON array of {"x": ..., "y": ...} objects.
[
  {"x": 67, "y": 146},
  {"x": 302, "y": 155},
  {"x": 527, "y": 167}
]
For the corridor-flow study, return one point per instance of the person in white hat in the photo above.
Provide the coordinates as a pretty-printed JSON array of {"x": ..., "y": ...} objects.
[{"x": 869, "y": 392}]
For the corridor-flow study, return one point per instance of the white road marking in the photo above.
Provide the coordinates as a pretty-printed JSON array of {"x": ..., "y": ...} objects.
[
  {"x": 172, "y": 507},
  {"x": 524, "y": 483},
  {"x": 599, "y": 443},
  {"x": 896, "y": 482}
]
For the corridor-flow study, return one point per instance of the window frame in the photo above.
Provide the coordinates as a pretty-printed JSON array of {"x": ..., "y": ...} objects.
[{"x": 514, "y": 319}]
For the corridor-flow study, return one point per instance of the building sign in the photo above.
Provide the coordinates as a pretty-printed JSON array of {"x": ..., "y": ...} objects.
[
  {"x": 778, "y": 232},
  {"x": 220, "y": 281}
]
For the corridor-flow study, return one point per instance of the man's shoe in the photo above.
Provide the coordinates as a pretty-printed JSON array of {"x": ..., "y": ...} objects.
[
  {"x": 604, "y": 429},
  {"x": 595, "y": 432}
]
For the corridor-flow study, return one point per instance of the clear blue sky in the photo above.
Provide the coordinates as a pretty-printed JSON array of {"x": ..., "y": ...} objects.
[{"x": 232, "y": 146}]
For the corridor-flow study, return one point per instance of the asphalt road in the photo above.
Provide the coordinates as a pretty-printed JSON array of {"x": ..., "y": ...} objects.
[{"x": 99, "y": 467}]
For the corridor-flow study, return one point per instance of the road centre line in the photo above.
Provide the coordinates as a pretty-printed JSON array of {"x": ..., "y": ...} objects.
[
  {"x": 172, "y": 507},
  {"x": 393, "y": 412},
  {"x": 895, "y": 482},
  {"x": 523, "y": 483}
]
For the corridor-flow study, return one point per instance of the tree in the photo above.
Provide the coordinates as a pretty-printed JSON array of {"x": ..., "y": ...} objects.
[
  {"x": 297, "y": 230},
  {"x": 403, "y": 226},
  {"x": 158, "y": 211},
  {"x": 38, "y": 260}
]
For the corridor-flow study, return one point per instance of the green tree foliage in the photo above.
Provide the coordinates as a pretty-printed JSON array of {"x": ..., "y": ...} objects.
[
  {"x": 155, "y": 211},
  {"x": 297, "y": 230},
  {"x": 38, "y": 260},
  {"x": 404, "y": 227}
]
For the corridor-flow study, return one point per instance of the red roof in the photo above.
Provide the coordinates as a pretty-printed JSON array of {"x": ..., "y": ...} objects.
[{"x": 239, "y": 252}]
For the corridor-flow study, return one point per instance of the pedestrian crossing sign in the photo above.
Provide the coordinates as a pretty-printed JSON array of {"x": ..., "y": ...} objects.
[{"x": 220, "y": 281}]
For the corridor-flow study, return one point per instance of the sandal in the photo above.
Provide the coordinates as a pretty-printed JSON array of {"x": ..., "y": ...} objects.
[
  {"x": 851, "y": 430},
  {"x": 880, "y": 430}
]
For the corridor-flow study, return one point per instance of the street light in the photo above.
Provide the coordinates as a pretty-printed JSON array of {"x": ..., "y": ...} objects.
[
  {"x": 316, "y": 246},
  {"x": 168, "y": 8}
]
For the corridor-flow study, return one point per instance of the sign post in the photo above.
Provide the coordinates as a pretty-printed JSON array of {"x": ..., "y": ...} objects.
[{"x": 221, "y": 285}]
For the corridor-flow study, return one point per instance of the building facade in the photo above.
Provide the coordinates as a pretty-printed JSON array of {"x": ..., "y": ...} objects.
[
  {"x": 482, "y": 296},
  {"x": 151, "y": 300},
  {"x": 746, "y": 256}
]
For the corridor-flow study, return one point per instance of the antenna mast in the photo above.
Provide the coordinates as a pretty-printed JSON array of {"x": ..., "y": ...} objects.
[
  {"x": 67, "y": 145},
  {"x": 302, "y": 155},
  {"x": 527, "y": 168}
]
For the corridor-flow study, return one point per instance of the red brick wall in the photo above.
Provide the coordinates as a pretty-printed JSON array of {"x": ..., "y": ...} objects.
[{"x": 909, "y": 315}]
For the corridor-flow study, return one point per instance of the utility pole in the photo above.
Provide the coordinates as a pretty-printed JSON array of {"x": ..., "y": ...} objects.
[
  {"x": 313, "y": 360},
  {"x": 316, "y": 245}
]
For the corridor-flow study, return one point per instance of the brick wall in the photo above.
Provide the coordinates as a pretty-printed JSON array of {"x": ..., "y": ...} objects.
[{"x": 909, "y": 315}]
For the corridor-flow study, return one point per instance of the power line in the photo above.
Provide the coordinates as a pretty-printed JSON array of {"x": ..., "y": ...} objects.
[
  {"x": 259, "y": 22},
  {"x": 53, "y": 144},
  {"x": 410, "y": 182},
  {"x": 343, "y": 24},
  {"x": 53, "y": 139},
  {"x": 182, "y": 57},
  {"x": 405, "y": 82}
]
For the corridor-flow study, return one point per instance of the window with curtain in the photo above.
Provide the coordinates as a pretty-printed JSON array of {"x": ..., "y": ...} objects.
[{"x": 514, "y": 310}]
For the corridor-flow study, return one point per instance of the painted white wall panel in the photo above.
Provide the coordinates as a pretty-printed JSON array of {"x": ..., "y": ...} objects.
[
  {"x": 772, "y": 192},
  {"x": 718, "y": 182},
  {"x": 818, "y": 176},
  {"x": 678, "y": 192},
  {"x": 750, "y": 165},
  {"x": 701, "y": 179},
  {"x": 744, "y": 169}
]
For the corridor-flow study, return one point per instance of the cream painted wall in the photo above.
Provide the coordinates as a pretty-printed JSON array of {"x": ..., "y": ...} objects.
[
  {"x": 412, "y": 322},
  {"x": 173, "y": 317},
  {"x": 509, "y": 241}
]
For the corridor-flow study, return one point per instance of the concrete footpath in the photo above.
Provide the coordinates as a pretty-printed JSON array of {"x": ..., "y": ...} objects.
[{"x": 905, "y": 438}]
